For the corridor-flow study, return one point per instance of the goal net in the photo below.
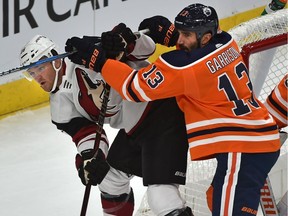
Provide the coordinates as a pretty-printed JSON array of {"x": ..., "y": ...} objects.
[{"x": 263, "y": 44}]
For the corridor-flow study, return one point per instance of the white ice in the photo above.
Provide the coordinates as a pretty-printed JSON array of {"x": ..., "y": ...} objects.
[{"x": 37, "y": 171}]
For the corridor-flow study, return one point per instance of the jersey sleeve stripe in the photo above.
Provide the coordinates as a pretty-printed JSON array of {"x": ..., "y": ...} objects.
[
  {"x": 86, "y": 143},
  {"x": 276, "y": 105},
  {"x": 281, "y": 99},
  {"x": 139, "y": 89},
  {"x": 129, "y": 87},
  {"x": 275, "y": 114},
  {"x": 124, "y": 89}
]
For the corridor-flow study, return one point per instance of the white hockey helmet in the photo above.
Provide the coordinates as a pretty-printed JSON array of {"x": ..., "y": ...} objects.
[{"x": 37, "y": 48}]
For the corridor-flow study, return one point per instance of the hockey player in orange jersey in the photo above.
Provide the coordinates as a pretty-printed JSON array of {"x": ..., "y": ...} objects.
[{"x": 210, "y": 81}]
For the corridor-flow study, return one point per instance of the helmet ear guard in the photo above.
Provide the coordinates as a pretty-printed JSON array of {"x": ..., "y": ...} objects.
[{"x": 198, "y": 18}]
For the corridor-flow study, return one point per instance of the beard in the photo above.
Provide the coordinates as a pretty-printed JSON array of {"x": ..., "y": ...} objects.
[{"x": 189, "y": 48}]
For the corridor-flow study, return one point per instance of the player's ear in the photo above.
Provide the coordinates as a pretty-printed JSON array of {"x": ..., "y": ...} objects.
[
  {"x": 205, "y": 39},
  {"x": 58, "y": 63}
]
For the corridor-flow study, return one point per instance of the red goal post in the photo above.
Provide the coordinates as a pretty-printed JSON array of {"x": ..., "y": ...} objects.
[{"x": 263, "y": 44}]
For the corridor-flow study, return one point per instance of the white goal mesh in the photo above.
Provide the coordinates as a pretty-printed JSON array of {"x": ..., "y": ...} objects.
[{"x": 263, "y": 43}]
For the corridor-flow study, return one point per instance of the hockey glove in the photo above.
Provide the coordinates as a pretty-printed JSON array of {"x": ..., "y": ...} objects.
[
  {"x": 162, "y": 31},
  {"x": 91, "y": 170},
  {"x": 113, "y": 44},
  {"x": 121, "y": 38},
  {"x": 128, "y": 36},
  {"x": 88, "y": 53}
]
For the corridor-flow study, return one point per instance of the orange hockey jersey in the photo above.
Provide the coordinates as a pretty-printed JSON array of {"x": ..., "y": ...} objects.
[
  {"x": 277, "y": 104},
  {"x": 213, "y": 90}
]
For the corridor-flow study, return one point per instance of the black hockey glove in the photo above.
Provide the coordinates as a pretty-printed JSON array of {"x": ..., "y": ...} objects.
[
  {"x": 162, "y": 31},
  {"x": 121, "y": 38},
  {"x": 91, "y": 170},
  {"x": 113, "y": 44},
  {"x": 88, "y": 53},
  {"x": 128, "y": 36}
]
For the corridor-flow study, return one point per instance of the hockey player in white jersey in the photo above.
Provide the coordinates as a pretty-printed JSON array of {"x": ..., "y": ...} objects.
[{"x": 151, "y": 143}]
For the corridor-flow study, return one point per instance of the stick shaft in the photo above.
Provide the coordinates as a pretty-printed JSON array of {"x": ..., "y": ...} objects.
[
  {"x": 42, "y": 61},
  {"x": 53, "y": 58},
  {"x": 98, "y": 137},
  {"x": 85, "y": 200},
  {"x": 101, "y": 119}
]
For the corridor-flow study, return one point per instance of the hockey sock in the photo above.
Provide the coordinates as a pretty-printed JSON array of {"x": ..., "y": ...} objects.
[{"x": 121, "y": 205}]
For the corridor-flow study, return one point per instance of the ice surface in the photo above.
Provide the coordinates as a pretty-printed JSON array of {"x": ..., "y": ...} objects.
[{"x": 37, "y": 171}]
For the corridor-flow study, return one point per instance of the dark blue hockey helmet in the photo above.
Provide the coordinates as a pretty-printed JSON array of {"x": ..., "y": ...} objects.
[{"x": 198, "y": 18}]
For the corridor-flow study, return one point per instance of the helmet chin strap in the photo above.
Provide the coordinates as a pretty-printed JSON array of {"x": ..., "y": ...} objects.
[{"x": 56, "y": 76}]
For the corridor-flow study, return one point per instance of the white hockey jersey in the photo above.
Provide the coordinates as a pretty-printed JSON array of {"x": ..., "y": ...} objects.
[{"x": 75, "y": 107}]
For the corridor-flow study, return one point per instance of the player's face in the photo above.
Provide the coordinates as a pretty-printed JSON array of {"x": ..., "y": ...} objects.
[
  {"x": 187, "y": 40},
  {"x": 43, "y": 74}
]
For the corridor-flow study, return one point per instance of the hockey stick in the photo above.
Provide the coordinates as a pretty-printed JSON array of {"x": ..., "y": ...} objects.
[
  {"x": 96, "y": 144},
  {"x": 50, "y": 59},
  {"x": 99, "y": 131},
  {"x": 42, "y": 61}
]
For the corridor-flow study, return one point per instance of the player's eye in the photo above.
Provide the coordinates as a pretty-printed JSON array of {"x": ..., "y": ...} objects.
[{"x": 41, "y": 68}]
